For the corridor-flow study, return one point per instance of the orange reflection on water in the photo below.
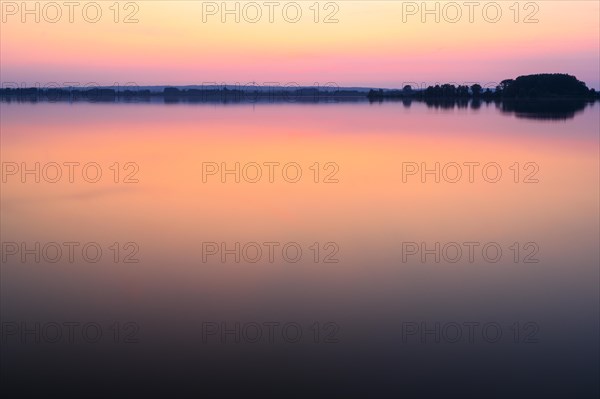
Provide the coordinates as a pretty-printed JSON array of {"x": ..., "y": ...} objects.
[{"x": 368, "y": 213}]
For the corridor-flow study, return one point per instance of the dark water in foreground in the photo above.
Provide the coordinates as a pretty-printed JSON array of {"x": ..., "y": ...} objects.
[{"x": 282, "y": 250}]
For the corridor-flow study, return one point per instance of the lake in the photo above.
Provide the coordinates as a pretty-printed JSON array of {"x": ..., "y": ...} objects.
[{"x": 348, "y": 249}]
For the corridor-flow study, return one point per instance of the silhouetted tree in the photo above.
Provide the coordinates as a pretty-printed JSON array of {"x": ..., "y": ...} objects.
[{"x": 476, "y": 89}]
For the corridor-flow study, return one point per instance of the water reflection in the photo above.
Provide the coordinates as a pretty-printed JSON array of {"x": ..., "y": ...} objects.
[
  {"x": 369, "y": 213},
  {"x": 548, "y": 109},
  {"x": 542, "y": 109}
]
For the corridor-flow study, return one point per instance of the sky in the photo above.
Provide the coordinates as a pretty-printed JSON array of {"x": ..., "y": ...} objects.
[{"x": 364, "y": 43}]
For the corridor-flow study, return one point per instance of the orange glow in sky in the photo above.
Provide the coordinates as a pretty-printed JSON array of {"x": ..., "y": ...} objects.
[{"x": 373, "y": 43}]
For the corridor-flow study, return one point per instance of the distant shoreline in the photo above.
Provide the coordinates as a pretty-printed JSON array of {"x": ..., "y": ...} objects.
[
  {"x": 540, "y": 87},
  {"x": 94, "y": 96}
]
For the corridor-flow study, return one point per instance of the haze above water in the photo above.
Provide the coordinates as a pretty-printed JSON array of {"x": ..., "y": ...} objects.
[{"x": 364, "y": 217}]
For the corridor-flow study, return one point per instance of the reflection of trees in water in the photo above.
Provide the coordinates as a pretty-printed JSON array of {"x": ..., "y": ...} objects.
[
  {"x": 544, "y": 109},
  {"x": 531, "y": 109},
  {"x": 548, "y": 109},
  {"x": 445, "y": 103},
  {"x": 551, "y": 109}
]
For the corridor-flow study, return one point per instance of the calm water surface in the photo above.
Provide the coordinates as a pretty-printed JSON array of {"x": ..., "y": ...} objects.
[{"x": 362, "y": 208}]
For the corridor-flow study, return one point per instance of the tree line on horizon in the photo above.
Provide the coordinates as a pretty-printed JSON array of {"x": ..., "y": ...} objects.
[{"x": 539, "y": 86}]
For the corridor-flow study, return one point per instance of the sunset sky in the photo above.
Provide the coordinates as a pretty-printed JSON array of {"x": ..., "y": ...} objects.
[{"x": 369, "y": 46}]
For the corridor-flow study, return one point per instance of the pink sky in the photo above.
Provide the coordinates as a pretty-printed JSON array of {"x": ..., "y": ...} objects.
[{"x": 372, "y": 44}]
